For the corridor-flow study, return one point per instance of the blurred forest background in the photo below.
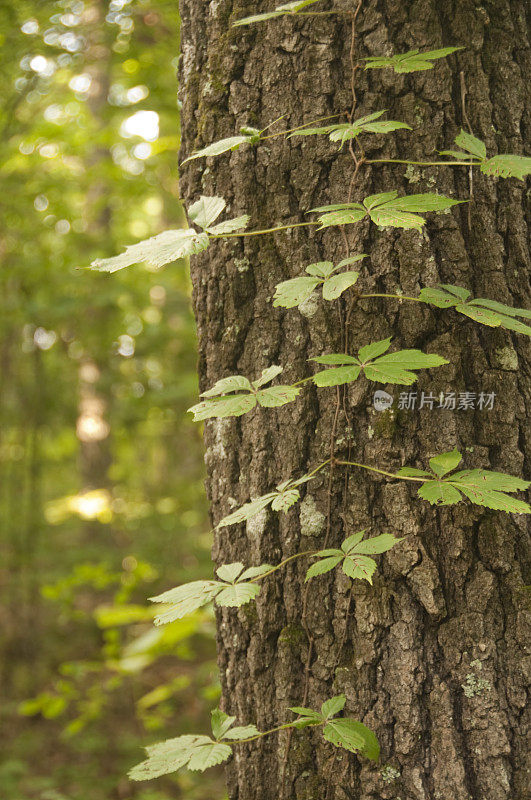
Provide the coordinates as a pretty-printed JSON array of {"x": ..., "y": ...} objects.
[{"x": 101, "y": 470}]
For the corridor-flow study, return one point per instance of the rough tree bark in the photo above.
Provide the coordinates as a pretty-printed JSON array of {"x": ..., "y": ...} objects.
[{"x": 448, "y": 602}]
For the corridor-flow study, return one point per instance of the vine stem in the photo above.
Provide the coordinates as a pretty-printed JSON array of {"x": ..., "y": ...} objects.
[
  {"x": 420, "y": 163},
  {"x": 298, "y": 127},
  {"x": 265, "y": 230},
  {"x": 383, "y": 472},
  {"x": 394, "y": 296},
  {"x": 286, "y": 561},
  {"x": 264, "y": 733}
]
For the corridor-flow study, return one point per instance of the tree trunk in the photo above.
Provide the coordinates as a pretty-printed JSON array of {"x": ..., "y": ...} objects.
[{"x": 447, "y": 609}]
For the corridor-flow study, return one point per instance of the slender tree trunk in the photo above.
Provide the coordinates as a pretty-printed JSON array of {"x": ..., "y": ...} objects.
[{"x": 447, "y": 608}]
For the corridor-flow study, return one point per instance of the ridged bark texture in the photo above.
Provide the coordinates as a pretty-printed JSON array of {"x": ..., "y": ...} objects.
[{"x": 447, "y": 608}]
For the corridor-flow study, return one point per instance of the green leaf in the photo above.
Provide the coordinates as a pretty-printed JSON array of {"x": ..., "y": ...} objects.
[
  {"x": 350, "y": 260},
  {"x": 333, "y": 706},
  {"x": 206, "y": 210},
  {"x": 352, "y": 541},
  {"x": 284, "y": 500},
  {"x": 445, "y": 462},
  {"x": 277, "y": 396},
  {"x": 396, "y": 367},
  {"x": 487, "y": 488},
  {"x": 221, "y": 146},
  {"x": 237, "y": 594},
  {"x": 255, "y": 572},
  {"x": 458, "y": 291},
  {"x": 242, "y": 732},
  {"x": 373, "y": 200},
  {"x": 392, "y": 217},
  {"x": 295, "y": 291},
  {"x": 322, "y": 566},
  {"x": 370, "y": 351},
  {"x": 507, "y": 166},
  {"x": 220, "y": 723},
  {"x": 305, "y": 712},
  {"x": 411, "y": 472},
  {"x": 230, "y": 225},
  {"x": 472, "y": 144},
  {"x": 439, "y": 493},
  {"x": 359, "y": 567},
  {"x": 377, "y": 544},
  {"x": 438, "y": 297},
  {"x": 320, "y": 269},
  {"x": 345, "y": 216},
  {"x": 425, "y": 202},
  {"x": 247, "y": 511},
  {"x": 231, "y": 384},
  {"x": 337, "y": 376},
  {"x": 335, "y": 285},
  {"x": 229, "y": 572},
  {"x": 267, "y": 375},
  {"x": 286, "y": 8},
  {"x": 412, "y": 61},
  {"x": 353, "y": 736},
  {"x": 208, "y": 755},
  {"x": 168, "y": 756},
  {"x": 229, "y": 406},
  {"x": 185, "y": 599},
  {"x": 156, "y": 251}
]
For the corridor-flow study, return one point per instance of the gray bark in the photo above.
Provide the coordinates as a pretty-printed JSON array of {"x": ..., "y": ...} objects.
[{"x": 448, "y": 601}]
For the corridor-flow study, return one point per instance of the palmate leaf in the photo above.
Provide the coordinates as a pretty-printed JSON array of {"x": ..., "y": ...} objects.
[
  {"x": 386, "y": 209},
  {"x": 285, "y": 8},
  {"x": 390, "y": 368},
  {"x": 220, "y": 723},
  {"x": 483, "y": 487},
  {"x": 296, "y": 291},
  {"x": 333, "y": 706},
  {"x": 353, "y": 557},
  {"x": 342, "y": 132},
  {"x": 282, "y": 499},
  {"x": 353, "y": 736},
  {"x": 412, "y": 61},
  {"x": 487, "y": 312},
  {"x": 251, "y": 394},
  {"x": 206, "y": 210},
  {"x": 196, "y": 752},
  {"x": 505, "y": 165},
  {"x": 402, "y": 212},
  {"x": 237, "y": 594},
  {"x": 156, "y": 251},
  {"x": 184, "y": 600},
  {"x": 224, "y": 145}
]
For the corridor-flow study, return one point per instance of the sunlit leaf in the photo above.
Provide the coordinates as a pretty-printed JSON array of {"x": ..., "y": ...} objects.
[
  {"x": 221, "y": 146},
  {"x": 230, "y": 225},
  {"x": 237, "y": 594},
  {"x": 412, "y": 61},
  {"x": 156, "y": 251},
  {"x": 229, "y": 572},
  {"x": 277, "y": 396},
  {"x": 185, "y": 599},
  {"x": 206, "y": 210}
]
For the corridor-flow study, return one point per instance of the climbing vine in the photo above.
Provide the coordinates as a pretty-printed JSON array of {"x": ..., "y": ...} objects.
[{"x": 236, "y": 395}]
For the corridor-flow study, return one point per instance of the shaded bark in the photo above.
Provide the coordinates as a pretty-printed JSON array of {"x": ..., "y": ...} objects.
[{"x": 448, "y": 602}]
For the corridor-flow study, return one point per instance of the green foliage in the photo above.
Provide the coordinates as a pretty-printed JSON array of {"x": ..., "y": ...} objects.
[
  {"x": 285, "y": 495},
  {"x": 343, "y": 132},
  {"x": 297, "y": 290},
  {"x": 386, "y": 209},
  {"x": 224, "y": 401},
  {"x": 412, "y": 61},
  {"x": 504, "y": 165},
  {"x": 341, "y": 732},
  {"x": 233, "y": 590},
  {"x": 487, "y": 312},
  {"x": 247, "y": 136},
  {"x": 285, "y": 8},
  {"x": 482, "y": 487},
  {"x": 171, "y": 245},
  {"x": 391, "y": 368},
  {"x": 353, "y": 556},
  {"x": 195, "y": 752}
]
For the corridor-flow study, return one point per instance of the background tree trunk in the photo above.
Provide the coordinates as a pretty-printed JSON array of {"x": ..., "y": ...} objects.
[{"x": 447, "y": 603}]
